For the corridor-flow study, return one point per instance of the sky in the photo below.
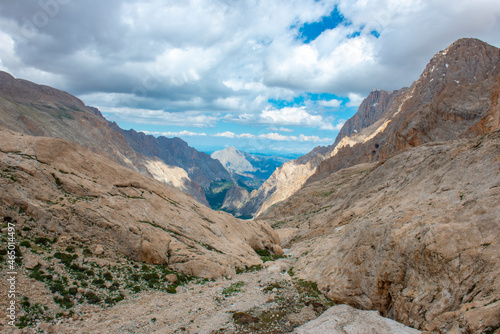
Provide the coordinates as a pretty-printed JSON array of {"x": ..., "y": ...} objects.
[{"x": 265, "y": 76}]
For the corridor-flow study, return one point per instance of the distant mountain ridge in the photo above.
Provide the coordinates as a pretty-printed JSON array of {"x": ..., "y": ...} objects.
[
  {"x": 253, "y": 168},
  {"x": 40, "y": 110},
  {"x": 200, "y": 167}
]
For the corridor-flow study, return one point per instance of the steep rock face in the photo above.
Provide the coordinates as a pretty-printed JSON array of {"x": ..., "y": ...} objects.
[
  {"x": 69, "y": 192},
  {"x": 415, "y": 236},
  {"x": 454, "y": 93},
  {"x": 44, "y": 111},
  {"x": 285, "y": 180},
  {"x": 374, "y": 107},
  {"x": 200, "y": 167}
]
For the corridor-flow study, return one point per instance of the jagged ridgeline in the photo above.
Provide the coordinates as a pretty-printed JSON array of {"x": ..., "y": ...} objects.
[
  {"x": 44, "y": 111},
  {"x": 399, "y": 215},
  {"x": 452, "y": 99}
]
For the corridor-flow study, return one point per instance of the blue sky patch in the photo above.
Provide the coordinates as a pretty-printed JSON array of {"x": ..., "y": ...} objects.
[{"x": 310, "y": 31}]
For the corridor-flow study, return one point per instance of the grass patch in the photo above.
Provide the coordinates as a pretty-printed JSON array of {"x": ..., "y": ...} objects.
[
  {"x": 250, "y": 269},
  {"x": 233, "y": 289},
  {"x": 266, "y": 255}
]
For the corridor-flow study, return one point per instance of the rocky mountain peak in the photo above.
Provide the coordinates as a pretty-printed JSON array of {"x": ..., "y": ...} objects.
[
  {"x": 233, "y": 160},
  {"x": 373, "y": 108},
  {"x": 23, "y": 90},
  {"x": 466, "y": 61}
]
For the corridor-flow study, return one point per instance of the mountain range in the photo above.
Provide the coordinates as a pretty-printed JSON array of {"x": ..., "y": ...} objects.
[
  {"x": 44, "y": 111},
  {"x": 451, "y": 99},
  {"x": 399, "y": 215}
]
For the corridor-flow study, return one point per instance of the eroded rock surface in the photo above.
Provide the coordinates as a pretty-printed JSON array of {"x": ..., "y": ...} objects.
[
  {"x": 415, "y": 237},
  {"x": 343, "y": 319},
  {"x": 69, "y": 191}
]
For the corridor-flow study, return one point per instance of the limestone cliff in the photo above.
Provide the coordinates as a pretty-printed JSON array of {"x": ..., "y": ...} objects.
[{"x": 457, "y": 90}]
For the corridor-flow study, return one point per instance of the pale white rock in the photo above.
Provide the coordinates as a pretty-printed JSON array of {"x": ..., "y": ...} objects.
[
  {"x": 344, "y": 319},
  {"x": 233, "y": 160}
]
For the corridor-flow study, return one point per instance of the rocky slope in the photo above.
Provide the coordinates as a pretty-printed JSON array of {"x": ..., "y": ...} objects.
[
  {"x": 66, "y": 190},
  {"x": 286, "y": 180},
  {"x": 200, "y": 167},
  {"x": 44, "y": 111},
  {"x": 414, "y": 236},
  {"x": 451, "y": 98},
  {"x": 455, "y": 92}
]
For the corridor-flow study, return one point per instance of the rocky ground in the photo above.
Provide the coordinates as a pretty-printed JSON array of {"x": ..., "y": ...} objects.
[
  {"x": 260, "y": 299},
  {"x": 414, "y": 236}
]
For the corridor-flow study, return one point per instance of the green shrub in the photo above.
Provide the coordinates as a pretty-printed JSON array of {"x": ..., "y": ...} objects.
[
  {"x": 233, "y": 289},
  {"x": 58, "y": 286},
  {"x": 37, "y": 274},
  {"x": 65, "y": 258},
  {"x": 98, "y": 282},
  {"x": 171, "y": 289},
  {"x": 65, "y": 302},
  {"x": 108, "y": 276},
  {"x": 92, "y": 298},
  {"x": 25, "y": 243}
]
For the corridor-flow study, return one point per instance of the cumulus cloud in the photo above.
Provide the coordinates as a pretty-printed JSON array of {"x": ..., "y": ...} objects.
[
  {"x": 300, "y": 138},
  {"x": 160, "y": 117},
  {"x": 291, "y": 116},
  {"x": 229, "y": 134},
  {"x": 280, "y": 129},
  {"x": 201, "y": 62},
  {"x": 273, "y": 136},
  {"x": 333, "y": 103}
]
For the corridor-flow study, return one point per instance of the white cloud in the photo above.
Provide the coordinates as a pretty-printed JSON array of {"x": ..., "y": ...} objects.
[
  {"x": 330, "y": 103},
  {"x": 293, "y": 116},
  {"x": 160, "y": 117},
  {"x": 300, "y": 138},
  {"x": 280, "y": 129},
  {"x": 354, "y": 100},
  {"x": 273, "y": 136},
  {"x": 229, "y": 134}
]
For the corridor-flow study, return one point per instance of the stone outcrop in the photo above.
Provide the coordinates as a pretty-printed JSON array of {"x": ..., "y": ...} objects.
[
  {"x": 67, "y": 191},
  {"x": 343, "y": 319},
  {"x": 415, "y": 236}
]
